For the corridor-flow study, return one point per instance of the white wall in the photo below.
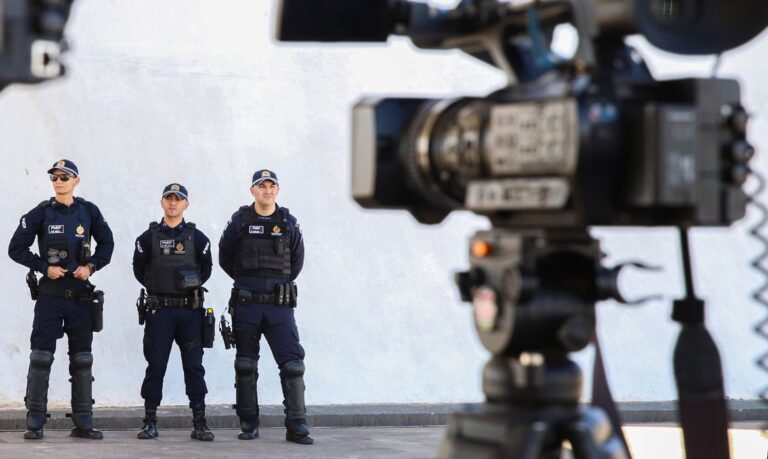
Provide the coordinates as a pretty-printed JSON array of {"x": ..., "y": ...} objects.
[{"x": 197, "y": 92}]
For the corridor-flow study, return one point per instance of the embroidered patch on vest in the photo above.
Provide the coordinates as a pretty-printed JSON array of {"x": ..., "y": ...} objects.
[
  {"x": 255, "y": 229},
  {"x": 55, "y": 229}
]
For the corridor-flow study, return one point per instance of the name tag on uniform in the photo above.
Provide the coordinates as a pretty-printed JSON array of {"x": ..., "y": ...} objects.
[
  {"x": 55, "y": 229},
  {"x": 167, "y": 244},
  {"x": 255, "y": 229}
]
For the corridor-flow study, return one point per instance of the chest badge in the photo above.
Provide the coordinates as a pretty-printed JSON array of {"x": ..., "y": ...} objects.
[
  {"x": 80, "y": 230},
  {"x": 179, "y": 247},
  {"x": 276, "y": 231}
]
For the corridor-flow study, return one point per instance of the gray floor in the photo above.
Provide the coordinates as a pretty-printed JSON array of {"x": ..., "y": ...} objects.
[
  {"x": 359, "y": 442},
  {"x": 648, "y": 441}
]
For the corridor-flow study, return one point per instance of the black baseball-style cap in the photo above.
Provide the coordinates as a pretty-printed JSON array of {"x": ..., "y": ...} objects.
[
  {"x": 64, "y": 165},
  {"x": 264, "y": 174},
  {"x": 174, "y": 188}
]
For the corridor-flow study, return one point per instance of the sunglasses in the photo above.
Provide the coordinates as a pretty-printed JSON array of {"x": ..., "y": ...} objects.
[{"x": 62, "y": 177}]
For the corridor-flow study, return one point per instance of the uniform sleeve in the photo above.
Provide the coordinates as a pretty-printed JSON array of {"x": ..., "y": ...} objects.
[
  {"x": 297, "y": 250},
  {"x": 227, "y": 245},
  {"x": 24, "y": 237},
  {"x": 102, "y": 234},
  {"x": 142, "y": 255},
  {"x": 203, "y": 247}
]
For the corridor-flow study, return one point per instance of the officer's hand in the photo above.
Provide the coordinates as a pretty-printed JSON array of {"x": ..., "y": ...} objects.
[
  {"x": 82, "y": 272},
  {"x": 56, "y": 272}
]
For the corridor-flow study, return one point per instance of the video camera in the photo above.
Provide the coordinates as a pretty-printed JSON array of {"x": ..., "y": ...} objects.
[
  {"x": 593, "y": 140},
  {"x": 32, "y": 40},
  {"x": 568, "y": 143}
]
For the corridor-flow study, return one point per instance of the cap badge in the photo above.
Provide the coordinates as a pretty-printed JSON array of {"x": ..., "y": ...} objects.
[
  {"x": 175, "y": 187},
  {"x": 60, "y": 164},
  {"x": 265, "y": 174},
  {"x": 80, "y": 229}
]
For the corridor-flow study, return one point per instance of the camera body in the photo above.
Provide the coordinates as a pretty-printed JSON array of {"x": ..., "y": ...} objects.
[{"x": 569, "y": 153}]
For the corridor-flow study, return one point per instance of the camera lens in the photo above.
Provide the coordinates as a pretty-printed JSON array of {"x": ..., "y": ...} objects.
[{"x": 674, "y": 12}]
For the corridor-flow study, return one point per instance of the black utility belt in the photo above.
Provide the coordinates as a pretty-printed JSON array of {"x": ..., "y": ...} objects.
[
  {"x": 84, "y": 294},
  {"x": 155, "y": 302},
  {"x": 246, "y": 297},
  {"x": 285, "y": 295}
]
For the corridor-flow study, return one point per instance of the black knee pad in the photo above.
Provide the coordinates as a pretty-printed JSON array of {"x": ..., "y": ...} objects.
[
  {"x": 245, "y": 365},
  {"x": 81, "y": 360},
  {"x": 36, "y": 398},
  {"x": 41, "y": 359},
  {"x": 293, "y": 368}
]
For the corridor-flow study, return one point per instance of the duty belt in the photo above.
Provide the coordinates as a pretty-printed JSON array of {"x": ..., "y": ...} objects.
[
  {"x": 68, "y": 293},
  {"x": 284, "y": 295},
  {"x": 168, "y": 302},
  {"x": 247, "y": 297}
]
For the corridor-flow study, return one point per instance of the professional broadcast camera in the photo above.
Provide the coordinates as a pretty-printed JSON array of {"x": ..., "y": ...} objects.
[
  {"x": 567, "y": 144},
  {"x": 32, "y": 40}
]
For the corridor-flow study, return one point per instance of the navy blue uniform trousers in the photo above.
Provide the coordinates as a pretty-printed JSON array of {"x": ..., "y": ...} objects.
[
  {"x": 56, "y": 315},
  {"x": 276, "y": 323},
  {"x": 161, "y": 329}
]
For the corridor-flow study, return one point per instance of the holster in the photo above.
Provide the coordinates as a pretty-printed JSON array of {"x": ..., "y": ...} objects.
[
  {"x": 209, "y": 328},
  {"x": 32, "y": 283},
  {"x": 97, "y": 311}
]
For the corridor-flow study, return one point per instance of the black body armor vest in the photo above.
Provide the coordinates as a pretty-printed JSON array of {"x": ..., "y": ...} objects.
[
  {"x": 174, "y": 269},
  {"x": 263, "y": 249},
  {"x": 66, "y": 239}
]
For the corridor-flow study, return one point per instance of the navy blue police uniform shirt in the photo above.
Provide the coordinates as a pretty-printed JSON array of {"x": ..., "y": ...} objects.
[
  {"x": 228, "y": 247},
  {"x": 142, "y": 253},
  {"x": 31, "y": 226}
]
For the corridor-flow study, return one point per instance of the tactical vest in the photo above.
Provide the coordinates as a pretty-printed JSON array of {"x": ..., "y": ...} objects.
[
  {"x": 173, "y": 260},
  {"x": 263, "y": 249},
  {"x": 65, "y": 240}
]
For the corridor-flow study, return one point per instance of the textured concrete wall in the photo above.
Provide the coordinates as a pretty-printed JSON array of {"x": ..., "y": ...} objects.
[{"x": 197, "y": 92}]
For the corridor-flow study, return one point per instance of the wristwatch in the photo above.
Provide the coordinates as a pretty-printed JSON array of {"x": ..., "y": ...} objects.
[{"x": 92, "y": 267}]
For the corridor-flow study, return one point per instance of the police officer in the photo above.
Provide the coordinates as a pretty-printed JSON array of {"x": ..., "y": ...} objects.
[
  {"x": 63, "y": 226},
  {"x": 172, "y": 260},
  {"x": 263, "y": 251}
]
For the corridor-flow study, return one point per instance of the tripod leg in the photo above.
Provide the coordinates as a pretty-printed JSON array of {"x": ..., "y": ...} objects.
[{"x": 592, "y": 437}]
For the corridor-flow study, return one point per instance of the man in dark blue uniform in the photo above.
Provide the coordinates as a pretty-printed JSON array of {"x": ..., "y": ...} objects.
[
  {"x": 63, "y": 226},
  {"x": 263, "y": 251},
  {"x": 172, "y": 260}
]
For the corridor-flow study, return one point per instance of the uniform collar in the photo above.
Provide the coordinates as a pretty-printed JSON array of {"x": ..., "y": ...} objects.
[
  {"x": 55, "y": 203},
  {"x": 258, "y": 215},
  {"x": 180, "y": 227}
]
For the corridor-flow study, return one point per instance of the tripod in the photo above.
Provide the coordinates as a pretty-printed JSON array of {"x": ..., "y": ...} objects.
[{"x": 534, "y": 298}]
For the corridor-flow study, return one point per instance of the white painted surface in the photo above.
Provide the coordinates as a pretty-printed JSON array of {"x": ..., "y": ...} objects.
[{"x": 198, "y": 92}]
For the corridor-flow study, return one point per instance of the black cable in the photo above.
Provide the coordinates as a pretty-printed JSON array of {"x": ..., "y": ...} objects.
[{"x": 759, "y": 294}]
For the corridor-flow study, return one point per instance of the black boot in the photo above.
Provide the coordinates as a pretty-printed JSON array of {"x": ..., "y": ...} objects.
[
  {"x": 248, "y": 430},
  {"x": 36, "y": 399},
  {"x": 82, "y": 402},
  {"x": 292, "y": 379},
  {"x": 200, "y": 431},
  {"x": 247, "y": 406},
  {"x": 35, "y": 422},
  {"x": 149, "y": 431}
]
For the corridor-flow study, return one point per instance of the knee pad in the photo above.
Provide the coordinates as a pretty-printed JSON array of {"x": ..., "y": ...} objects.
[
  {"x": 41, "y": 359},
  {"x": 81, "y": 360},
  {"x": 245, "y": 365},
  {"x": 293, "y": 368}
]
